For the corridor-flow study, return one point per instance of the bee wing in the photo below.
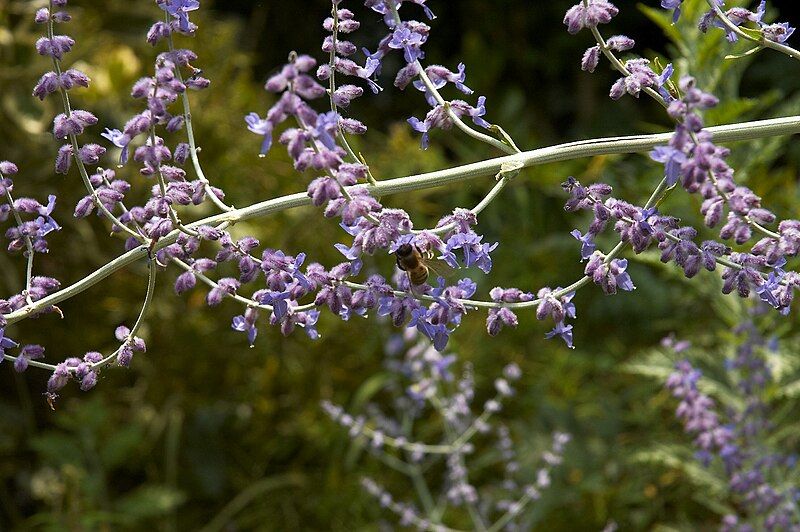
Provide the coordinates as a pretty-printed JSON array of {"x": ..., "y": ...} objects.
[{"x": 441, "y": 268}]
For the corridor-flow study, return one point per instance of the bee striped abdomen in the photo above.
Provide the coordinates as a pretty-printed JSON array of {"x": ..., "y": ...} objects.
[
  {"x": 410, "y": 260},
  {"x": 418, "y": 275}
]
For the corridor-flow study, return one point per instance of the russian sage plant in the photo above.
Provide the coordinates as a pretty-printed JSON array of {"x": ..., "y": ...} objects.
[
  {"x": 314, "y": 117},
  {"x": 735, "y": 416}
]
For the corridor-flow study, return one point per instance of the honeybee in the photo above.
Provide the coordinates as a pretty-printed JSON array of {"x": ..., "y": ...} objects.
[{"x": 412, "y": 261}]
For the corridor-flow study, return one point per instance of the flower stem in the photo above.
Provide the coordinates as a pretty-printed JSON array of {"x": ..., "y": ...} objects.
[{"x": 564, "y": 152}]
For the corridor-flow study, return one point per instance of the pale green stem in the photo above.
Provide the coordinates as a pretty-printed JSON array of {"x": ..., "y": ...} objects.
[
  {"x": 148, "y": 298},
  {"x": 473, "y": 512},
  {"x": 617, "y": 64},
  {"x": 441, "y": 101},
  {"x": 563, "y": 152},
  {"x": 187, "y": 119},
  {"x": 28, "y": 247},
  {"x": 421, "y": 487},
  {"x": 520, "y": 505},
  {"x": 415, "y": 447},
  {"x": 162, "y": 186},
  {"x": 75, "y": 147},
  {"x": 236, "y": 297},
  {"x": 332, "y": 88}
]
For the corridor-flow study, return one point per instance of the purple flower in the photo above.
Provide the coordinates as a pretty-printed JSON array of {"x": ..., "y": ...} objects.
[
  {"x": 662, "y": 80},
  {"x": 26, "y": 354},
  {"x": 499, "y": 318},
  {"x": 278, "y": 301},
  {"x": 325, "y": 129},
  {"x": 582, "y": 198},
  {"x": 225, "y": 287},
  {"x": 5, "y": 343},
  {"x": 587, "y": 243},
  {"x": 8, "y": 168},
  {"x": 672, "y": 160},
  {"x": 180, "y": 9},
  {"x": 73, "y": 78},
  {"x": 563, "y": 331},
  {"x": 397, "y": 307},
  {"x": 55, "y": 47},
  {"x": 777, "y": 32},
  {"x": 353, "y": 211},
  {"x": 344, "y": 94},
  {"x": 247, "y": 323},
  {"x": 770, "y": 287},
  {"x": 410, "y": 41},
  {"x": 748, "y": 274},
  {"x": 45, "y": 221},
  {"x": 306, "y": 320},
  {"x": 591, "y": 57},
  {"x": 280, "y": 270},
  {"x": 120, "y": 140},
  {"x": 58, "y": 379},
  {"x": 260, "y": 126},
  {"x": 48, "y": 84},
  {"x": 475, "y": 252},
  {"x": 641, "y": 76},
  {"x": 440, "y": 76},
  {"x": 90, "y": 153},
  {"x": 597, "y": 12},
  {"x": 42, "y": 15},
  {"x": 421, "y": 127},
  {"x": 675, "y": 6},
  {"x": 442, "y": 116},
  {"x": 609, "y": 276},
  {"x": 438, "y": 333},
  {"x": 440, "y": 367},
  {"x": 697, "y": 410},
  {"x": 620, "y": 43},
  {"x": 556, "y": 308},
  {"x": 477, "y": 112}
]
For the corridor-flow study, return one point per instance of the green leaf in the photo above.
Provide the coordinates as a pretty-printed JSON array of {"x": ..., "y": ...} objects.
[{"x": 150, "y": 501}]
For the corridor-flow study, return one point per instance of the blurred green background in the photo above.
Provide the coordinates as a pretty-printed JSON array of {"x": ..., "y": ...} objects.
[{"x": 204, "y": 431}]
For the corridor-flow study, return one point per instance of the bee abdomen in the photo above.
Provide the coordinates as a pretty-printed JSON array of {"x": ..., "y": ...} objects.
[{"x": 418, "y": 276}]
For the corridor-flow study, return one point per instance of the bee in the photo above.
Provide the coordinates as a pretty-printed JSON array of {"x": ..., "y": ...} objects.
[{"x": 412, "y": 261}]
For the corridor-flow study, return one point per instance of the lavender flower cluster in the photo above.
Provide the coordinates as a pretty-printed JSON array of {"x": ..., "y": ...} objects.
[
  {"x": 318, "y": 143},
  {"x": 692, "y": 158},
  {"x": 738, "y": 437},
  {"x": 290, "y": 290},
  {"x": 423, "y": 386}
]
